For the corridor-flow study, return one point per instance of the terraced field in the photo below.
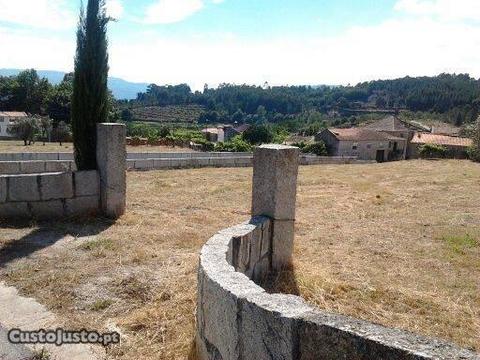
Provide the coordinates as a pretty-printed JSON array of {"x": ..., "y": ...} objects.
[{"x": 168, "y": 114}]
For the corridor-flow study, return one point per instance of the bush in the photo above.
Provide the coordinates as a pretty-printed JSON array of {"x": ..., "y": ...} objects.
[
  {"x": 237, "y": 144},
  {"x": 317, "y": 148},
  {"x": 433, "y": 151},
  {"x": 258, "y": 134}
]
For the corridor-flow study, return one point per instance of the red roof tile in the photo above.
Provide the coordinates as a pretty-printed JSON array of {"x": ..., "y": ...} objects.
[{"x": 421, "y": 138}]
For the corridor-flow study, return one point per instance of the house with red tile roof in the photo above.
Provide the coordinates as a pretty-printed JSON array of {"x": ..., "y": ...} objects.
[{"x": 365, "y": 144}]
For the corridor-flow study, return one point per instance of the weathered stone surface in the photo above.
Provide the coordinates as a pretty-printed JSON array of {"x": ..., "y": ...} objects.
[
  {"x": 32, "y": 167},
  {"x": 269, "y": 326},
  {"x": 23, "y": 188},
  {"x": 329, "y": 336},
  {"x": 56, "y": 186},
  {"x": 86, "y": 205},
  {"x": 275, "y": 181},
  {"x": 87, "y": 183},
  {"x": 57, "y": 166},
  {"x": 146, "y": 164},
  {"x": 9, "y": 167},
  {"x": 14, "y": 210},
  {"x": 111, "y": 160},
  {"x": 3, "y": 189},
  {"x": 283, "y": 235},
  {"x": 46, "y": 210}
]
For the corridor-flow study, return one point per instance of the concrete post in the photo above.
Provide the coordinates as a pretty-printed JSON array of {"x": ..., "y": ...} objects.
[
  {"x": 112, "y": 165},
  {"x": 275, "y": 172}
]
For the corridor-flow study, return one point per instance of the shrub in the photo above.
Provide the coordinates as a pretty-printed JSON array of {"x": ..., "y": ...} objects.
[
  {"x": 433, "y": 151},
  {"x": 258, "y": 134},
  {"x": 317, "y": 148},
  {"x": 237, "y": 144}
]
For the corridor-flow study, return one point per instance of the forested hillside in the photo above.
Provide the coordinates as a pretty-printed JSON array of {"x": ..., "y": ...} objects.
[
  {"x": 453, "y": 98},
  {"x": 450, "y": 98}
]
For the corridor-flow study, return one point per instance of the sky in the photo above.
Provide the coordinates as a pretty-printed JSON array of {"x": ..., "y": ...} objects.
[{"x": 282, "y": 42}]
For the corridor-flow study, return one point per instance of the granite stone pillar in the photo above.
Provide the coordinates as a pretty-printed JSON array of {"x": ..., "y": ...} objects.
[
  {"x": 275, "y": 172},
  {"x": 112, "y": 165}
]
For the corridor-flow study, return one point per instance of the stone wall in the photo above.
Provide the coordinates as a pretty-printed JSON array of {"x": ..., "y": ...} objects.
[
  {"x": 237, "y": 319},
  {"x": 48, "y": 196},
  {"x": 35, "y": 166},
  {"x": 42, "y": 193},
  {"x": 152, "y": 161}
]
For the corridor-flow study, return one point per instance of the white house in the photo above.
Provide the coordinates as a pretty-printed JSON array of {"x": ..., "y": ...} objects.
[{"x": 6, "y": 119}]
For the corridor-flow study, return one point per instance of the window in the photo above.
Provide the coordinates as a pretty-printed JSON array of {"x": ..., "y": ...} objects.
[
  {"x": 369, "y": 146},
  {"x": 355, "y": 146}
]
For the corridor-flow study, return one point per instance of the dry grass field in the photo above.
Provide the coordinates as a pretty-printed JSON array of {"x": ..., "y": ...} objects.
[
  {"x": 14, "y": 146},
  {"x": 395, "y": 243}
]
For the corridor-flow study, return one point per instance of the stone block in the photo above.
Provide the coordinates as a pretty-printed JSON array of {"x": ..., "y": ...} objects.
[
  {"x": 86, "y": 205},
  {"x": 146, "y": 164},
  {"x": 130, "y": 164},
  {"x": 161, "y": 163},
  {"x": 111, "y": 161},
  {"x": 275, "y": 181},
  {"x": 56, "y": 186},
  {"x": 3, "y": 189},
  {"x": 14, "y": 210},
  {"x": 87, "y": 183},
  {"x": 269, "y": 326},
  {"x": 282, "y": 244},
  {"x": 23, "y": 188},
  {"x": 32, "y": 167},
  {"x": 46, "y": 210},
  {"x": 9, "y": 167},
  {"x": 57, "y": 166},
  {"x": 65, "y": 156}
]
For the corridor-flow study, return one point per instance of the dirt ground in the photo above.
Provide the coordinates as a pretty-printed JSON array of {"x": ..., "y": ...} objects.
[
  {"x": 15, "y": 146},
  {"x": 395, "y": 243}
]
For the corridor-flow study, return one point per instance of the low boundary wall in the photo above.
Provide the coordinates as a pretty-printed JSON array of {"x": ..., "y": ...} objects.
[
  {"x": 49, "y": 189},
  {"x": 237, "y": 319},
  {"x": 49, "y": 196},
  {"x": 153, "y": 161}
]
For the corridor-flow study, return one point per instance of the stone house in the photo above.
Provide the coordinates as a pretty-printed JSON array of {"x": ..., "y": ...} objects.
[
  {"x": 457, "y": 146},
  {"x": 223, "y": 133},
  {"x": 7, "y": 118},
  {"x": 365, "y": 144}
]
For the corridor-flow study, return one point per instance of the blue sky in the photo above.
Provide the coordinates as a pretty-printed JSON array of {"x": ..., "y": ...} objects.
[{"x": 253, "y": 41}]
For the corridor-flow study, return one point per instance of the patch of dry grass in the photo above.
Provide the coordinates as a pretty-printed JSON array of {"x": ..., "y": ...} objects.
[
  {"x": 15, "y": 146},
  {"x": 393, "y": 243}
]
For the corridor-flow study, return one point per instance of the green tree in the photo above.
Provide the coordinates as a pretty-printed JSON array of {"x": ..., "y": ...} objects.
[
  {"x": 25, "y": 129},
  {"x": 60, "y": 100},
  {"x": 45, "y": 126},
  {"x": 90, "y": 100},
  {"x": 474, "y": 151},
  {"x": 258, "y": 134},
  {"x": 61, "y": 132}
]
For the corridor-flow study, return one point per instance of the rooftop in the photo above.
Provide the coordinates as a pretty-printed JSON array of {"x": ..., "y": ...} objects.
[
  {"x": 393, "y": 123},
  {"x": 421, "y": 138},
  {"x": 362, "y": 134},
  {"x": 13, "y": 114}
]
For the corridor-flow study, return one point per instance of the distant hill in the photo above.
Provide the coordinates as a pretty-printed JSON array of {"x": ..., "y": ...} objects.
[
  {"x": 168, "y": 114},
  {"x": 121, "y": 89}
]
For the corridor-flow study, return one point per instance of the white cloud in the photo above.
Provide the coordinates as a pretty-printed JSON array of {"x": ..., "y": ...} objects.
[
  {"x": 392, "y": 49},
  {"x": 115, "y": 8},
  {"x": 412, "y": 46},
  {"x": 172, "y": 11},
  {"x": 444, "y": 9},
  {"x": 47, "y": 14}
]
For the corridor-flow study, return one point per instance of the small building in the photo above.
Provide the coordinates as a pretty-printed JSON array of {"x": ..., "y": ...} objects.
[
  {"x": 456, "y": 146},
  {"x": 366, "y": 144},
  {"x": 7, "y": 118},
  {"x": 224, "y": 133}
]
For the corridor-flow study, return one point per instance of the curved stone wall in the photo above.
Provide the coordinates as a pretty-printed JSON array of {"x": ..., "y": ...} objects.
[{"x": 238, "y": 319}]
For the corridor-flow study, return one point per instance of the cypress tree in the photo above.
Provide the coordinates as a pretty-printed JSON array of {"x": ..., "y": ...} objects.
[{"x": 90, "y": 93}]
